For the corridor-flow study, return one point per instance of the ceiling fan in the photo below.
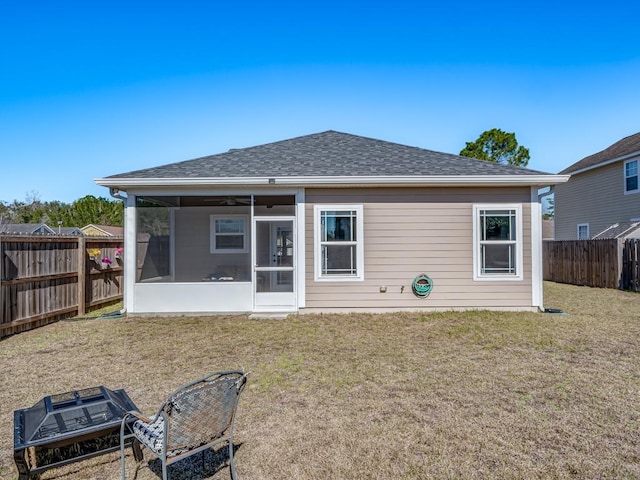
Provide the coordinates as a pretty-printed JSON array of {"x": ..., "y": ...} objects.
[{"x": 229, "y": 201}]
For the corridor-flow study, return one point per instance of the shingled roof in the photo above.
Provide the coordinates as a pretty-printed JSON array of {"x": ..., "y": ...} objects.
[
  {"x": 328, "y": 153},
  {"x": 618, "y": 230},
  {"x": 621, "y": 148}
]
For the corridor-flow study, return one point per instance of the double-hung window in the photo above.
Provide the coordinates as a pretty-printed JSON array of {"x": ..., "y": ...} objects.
[
  {"x": 498, "y": 242},
  {"x": 229, "y": 234},
  {"x": 583, "y": 231},
  {"x": 339, "y": 252},
  {"x": 631, "y": 176}
]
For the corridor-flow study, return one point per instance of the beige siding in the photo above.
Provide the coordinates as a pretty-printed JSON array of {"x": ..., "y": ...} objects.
[
  {"x": 95, "y": 232},
  {"x": 595, "y": 197},
  {"x": 412, "y": 231}
]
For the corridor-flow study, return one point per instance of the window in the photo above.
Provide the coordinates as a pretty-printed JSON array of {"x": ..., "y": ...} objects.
[
  {"x": 229, "y": 234},
  {"x": 339, "y": 253},
  {"x": 583, "y": 231},
  {"x": 497, "y": 233},
  {"x": 631, "y": 176}
]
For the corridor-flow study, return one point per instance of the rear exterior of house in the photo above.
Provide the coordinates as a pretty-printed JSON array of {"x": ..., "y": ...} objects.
[
  {"x": 603, "y": 191},
  {"x": 275, "y": 239}
]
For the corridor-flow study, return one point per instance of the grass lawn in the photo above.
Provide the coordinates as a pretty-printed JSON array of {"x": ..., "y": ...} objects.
[{"x": 446, "y": 395}]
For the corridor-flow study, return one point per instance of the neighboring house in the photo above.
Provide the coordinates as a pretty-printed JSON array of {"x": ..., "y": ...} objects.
[
  {"x": 331, "y": 222},
  {"x": 548, "y": 229},
  {"x": 92, "y": 230},
  {"x": 603, "y": 190},
  {"x": 69, "y": 231},
  {"x": 26, "y": 229}
]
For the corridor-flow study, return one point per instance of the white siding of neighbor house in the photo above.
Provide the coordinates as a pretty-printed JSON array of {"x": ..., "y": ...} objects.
[
  {"x": 595, "y": 197},
  {"x": 408, "y": 232}
]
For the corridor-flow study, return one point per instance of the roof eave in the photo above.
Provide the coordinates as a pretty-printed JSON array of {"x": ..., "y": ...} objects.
[
  {"x": 605, "y": 163},
  {"x": 426, "y": 180}
]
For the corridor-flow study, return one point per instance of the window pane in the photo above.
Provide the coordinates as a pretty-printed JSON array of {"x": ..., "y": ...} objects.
[
  {"x": 338, "y": 226},
  {"x": 274, "y": 281},
  {"x": 235, "y": 242},
  {"x": 229, "y": 226},
  {"x": 153, "y": 240},
  {"x": 583, "y": 232},
  {"x": 498, "y": 258},
  {"x": 339, "y": 260},
  {"x": 498, "y": 225},
  {"x": 632, "y": 183},
  {"x": 631, "y": 169}
]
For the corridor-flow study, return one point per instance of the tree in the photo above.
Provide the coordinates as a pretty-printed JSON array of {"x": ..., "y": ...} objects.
[
  {"x": 497, "y": 146},
  {"x": 96, "y": 210},
  {"x": 86, "y": 210}
]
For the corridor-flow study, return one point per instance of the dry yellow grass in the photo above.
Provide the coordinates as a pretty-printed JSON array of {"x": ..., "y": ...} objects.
[{"x": 417, "y": 396}]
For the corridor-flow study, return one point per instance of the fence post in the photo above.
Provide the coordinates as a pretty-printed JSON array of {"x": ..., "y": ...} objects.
[{"x": 82, "y": 275}]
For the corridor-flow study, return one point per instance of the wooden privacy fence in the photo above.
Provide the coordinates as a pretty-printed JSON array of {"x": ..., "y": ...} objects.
[
  {"x": 631, "y": 265},
  {"x": 609, "y": 263},
  {"x": 46, "y": 278}
]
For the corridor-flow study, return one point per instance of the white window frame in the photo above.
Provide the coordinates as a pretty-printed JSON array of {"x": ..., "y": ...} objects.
[
  {"x": 637, "y": 175},
  {"x": 580, "y": 225},
  {"x": 245, "y": 233},
  {"x": 318, "y": 243},
  {"x": 478, "y": 242}
]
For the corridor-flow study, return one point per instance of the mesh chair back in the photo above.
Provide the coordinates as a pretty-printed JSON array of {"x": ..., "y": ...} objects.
[{"x": 202, "y": 411}]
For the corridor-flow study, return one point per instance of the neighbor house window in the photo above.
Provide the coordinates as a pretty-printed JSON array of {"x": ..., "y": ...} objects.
[
  {"x": 631, "y": 176},
  {"x": 583, "y": 231},
  {"x": 229, "y": 234},
  {"x": 339, "y": 252},
  {"x": 497, "y": 242}
]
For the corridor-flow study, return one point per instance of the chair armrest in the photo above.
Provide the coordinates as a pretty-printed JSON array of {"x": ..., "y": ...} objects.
[{"x": 136, "y": 414}]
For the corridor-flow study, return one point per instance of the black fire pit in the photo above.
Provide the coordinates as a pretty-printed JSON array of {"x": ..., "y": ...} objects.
[{"x": 69, "y": 427}]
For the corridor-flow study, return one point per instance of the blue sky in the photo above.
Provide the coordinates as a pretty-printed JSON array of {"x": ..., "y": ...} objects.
[{"x": 90, "y": 89}]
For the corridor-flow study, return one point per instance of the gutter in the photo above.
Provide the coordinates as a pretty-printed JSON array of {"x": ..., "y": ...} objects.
[
  {"x": 115, "y": 193},
  {"x": 117, "y": 184}
]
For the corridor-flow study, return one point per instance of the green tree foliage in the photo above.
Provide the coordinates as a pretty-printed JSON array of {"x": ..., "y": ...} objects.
[
  {"x": 84, "y": 211},
  {"x": 32, "y": 210},
  {"x": 97, "y": 210},
  {"x": 497, "y": 146}
]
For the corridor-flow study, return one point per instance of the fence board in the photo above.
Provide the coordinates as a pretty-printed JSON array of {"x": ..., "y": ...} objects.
[
  {"x": 593, "y": 263},
  {"x": 631, "y": 265},
  {"x": 46, "y": 278}
]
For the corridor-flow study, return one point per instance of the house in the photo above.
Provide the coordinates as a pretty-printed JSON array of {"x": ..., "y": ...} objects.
[
  {"x": 548, "y": 229},
  {"x": 37, "y": 229},
  {"x": 26, "y": 229},
  {"x": 69, "y": 231},
  {"x": 603, "y": 191},
  {"x": 92, "y": 230},
  {"x": 331, "y": 222}
]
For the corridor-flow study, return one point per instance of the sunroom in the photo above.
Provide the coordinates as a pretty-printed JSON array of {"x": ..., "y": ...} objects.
[{"x": 213, "y": 253}]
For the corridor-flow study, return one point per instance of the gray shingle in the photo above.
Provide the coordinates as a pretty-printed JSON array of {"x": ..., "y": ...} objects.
[
  {"x": 622, "y": 147},
  {"x": 618, "y": 230},
  {"x": 325, "y": 154}
]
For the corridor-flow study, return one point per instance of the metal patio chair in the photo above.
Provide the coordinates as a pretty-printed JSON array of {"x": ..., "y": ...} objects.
[{"x": 194, "y": 418}]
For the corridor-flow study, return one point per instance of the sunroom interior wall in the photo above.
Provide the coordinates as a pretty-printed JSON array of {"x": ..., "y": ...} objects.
[
  {"x": 412, "y": 231},
  {"x": 193, "y": 258}
]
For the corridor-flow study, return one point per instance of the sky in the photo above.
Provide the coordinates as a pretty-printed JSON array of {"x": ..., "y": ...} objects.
[{"x": 91, "y": 89}]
